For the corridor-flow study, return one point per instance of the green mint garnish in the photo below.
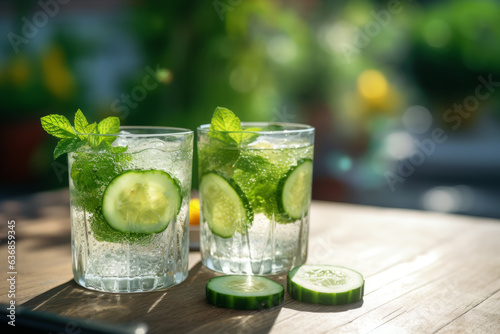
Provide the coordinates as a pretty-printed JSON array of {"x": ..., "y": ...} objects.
[
  {"x": 92, "y": 170},
  {"x": 58, "y": 126},
  {"x": 259, "y": 179},
  {"x": 223, "y": 151},
  {"x": 224, "y": 123},
  {"x": 224, "y": 120},
  {"x": 118, "y": 149},
  {"x": 67, "y": 145},
  {"x": 110, "y": 125},
  {"x": 81, "y": 124},
  {"x": 74, "y": 138}
]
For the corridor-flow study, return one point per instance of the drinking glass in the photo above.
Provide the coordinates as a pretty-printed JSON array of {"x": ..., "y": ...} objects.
[
  {"x": 130, "y": 209},
  {"x": 255, "y": 194}
]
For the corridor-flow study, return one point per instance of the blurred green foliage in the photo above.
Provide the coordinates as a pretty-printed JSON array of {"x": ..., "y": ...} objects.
[{"x": 348, "y": 67}]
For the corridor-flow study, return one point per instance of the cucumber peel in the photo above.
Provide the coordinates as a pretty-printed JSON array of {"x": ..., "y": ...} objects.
[
  {"x": 294, "y": 190},
  {"x": 244, "y": 292},
  {"x": 223, "y": 205},
  {"x": 325, "y": 284}
]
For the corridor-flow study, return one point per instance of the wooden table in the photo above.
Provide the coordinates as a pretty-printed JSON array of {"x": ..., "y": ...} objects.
[{"x": 425, "y": 273}]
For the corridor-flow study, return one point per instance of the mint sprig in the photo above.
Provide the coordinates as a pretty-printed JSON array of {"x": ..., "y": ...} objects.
[
  {"x": 223, "y": 121},
  {"x": 58, "y": 126},
  {"x": 82, "y": 133},
  {"x": 81, "y": 123},
  {"x": 226, "y": 127},
  {"x": 67, "y": 145}
]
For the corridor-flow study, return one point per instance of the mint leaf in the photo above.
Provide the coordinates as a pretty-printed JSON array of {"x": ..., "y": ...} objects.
[
  {"x": 215, "y": 156},
  {"x": 91, "y": 171},
  {"x": 253, "y": 164},
  {"x": 109, "y": 125},
  {"x": 226, "y": 127},
  {"x": 58, "y": 126},
  {"x": 81, "y": 123},
  {"x": 250, "y": 137},
  {"x": 90, "y": 128},
  {"x": 118, "y": 149},
  {"x": 259, "y": 179},
  {"x": 94, "y": 141},
  {"x": 224, "y": 120},
  {"x": 67, "y": 145}
]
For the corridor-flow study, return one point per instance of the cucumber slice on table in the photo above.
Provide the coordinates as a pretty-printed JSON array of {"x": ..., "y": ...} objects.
[
  {"x": 294, "y": 190},
  {"x": 325, "y": 284},
  {"x": 143, "y": 201},
  {"x": 244, "y": 292},
  {"x": 223, "y": 205}
]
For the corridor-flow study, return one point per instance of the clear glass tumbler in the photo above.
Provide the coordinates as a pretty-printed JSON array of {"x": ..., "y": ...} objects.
[
  {"x": 130, "y": 209},
  {"x": 255, "y": 194}
]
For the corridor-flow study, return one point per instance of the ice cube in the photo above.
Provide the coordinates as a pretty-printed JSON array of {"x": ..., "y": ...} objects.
[
  {"x": 122, "y": 139},
  {"x": 142, "y": 144}
]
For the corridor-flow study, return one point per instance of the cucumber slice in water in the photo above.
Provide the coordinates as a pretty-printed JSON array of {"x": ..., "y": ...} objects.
[
  {"x": 325, "y": 284},
  {"x": 294, "y": 190},
  {"x": 223, "y": 205},
  {"x": 143, "y": 201},
  {"x": 244, "y": 292}
]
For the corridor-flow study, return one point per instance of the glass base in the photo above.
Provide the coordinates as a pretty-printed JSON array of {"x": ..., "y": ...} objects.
[
  {"x": 244, "y": 267},
  {"x": 129, "y": 284}
]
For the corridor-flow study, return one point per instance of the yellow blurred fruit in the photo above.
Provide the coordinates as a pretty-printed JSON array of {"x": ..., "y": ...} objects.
[{"x": 194, "y": 211}]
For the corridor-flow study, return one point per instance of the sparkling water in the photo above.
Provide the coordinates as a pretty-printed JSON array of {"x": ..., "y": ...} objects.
[
  {"x": 271, "y": 243},
  {"x": 108, "y": 260}
]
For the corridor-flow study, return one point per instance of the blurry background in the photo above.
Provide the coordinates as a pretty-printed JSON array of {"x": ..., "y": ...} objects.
[{"x": 404, "y": 94}]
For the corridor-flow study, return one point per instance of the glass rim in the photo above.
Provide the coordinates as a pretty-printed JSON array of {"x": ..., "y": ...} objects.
[
  {"x": 296, "y": 128},
  {"x": 160, "y": 131}
]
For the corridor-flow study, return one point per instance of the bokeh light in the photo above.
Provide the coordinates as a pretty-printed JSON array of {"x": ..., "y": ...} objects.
[
  {"x": 417, "y": 119},
  {"x": 372, "y": 85},
  {"x": 399, "y": 145}
]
